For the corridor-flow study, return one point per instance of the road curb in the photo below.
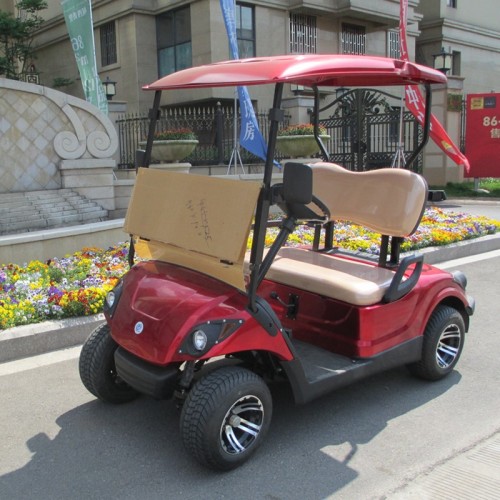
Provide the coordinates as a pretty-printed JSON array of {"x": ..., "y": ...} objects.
[
  {"x": 30, "y": 340},
  {"x": 435, "y": 255}
]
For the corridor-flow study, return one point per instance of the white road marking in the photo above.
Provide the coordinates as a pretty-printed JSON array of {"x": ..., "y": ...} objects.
[
  {"x": 49, "y": 358},
  {"x": 468, "y": 260}
]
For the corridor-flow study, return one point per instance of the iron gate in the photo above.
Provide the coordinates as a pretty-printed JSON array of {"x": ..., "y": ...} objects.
[{"x": 364, "y": 131}]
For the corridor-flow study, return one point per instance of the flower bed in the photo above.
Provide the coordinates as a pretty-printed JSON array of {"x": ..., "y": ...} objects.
[
  {"x": 76, "y": 285},
  {"x": 73, "y": 286}
]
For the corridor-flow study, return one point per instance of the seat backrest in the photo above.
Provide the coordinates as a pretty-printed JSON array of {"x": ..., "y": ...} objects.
[{"x": 390, "y": 201}]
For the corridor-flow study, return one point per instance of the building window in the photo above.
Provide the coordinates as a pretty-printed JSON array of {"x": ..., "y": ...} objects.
[
  {"x": 173, "y": 39},
  {"x": 456, "y": 63},
  {"x": 245, "y": 30},
  {"x": 108, "y": 44},
  {"x": 353, "y": 39},
  {"x": 452, "y": 3},
  {"x": 393, "y": 47},
  {"x": 302, "y": 34}
]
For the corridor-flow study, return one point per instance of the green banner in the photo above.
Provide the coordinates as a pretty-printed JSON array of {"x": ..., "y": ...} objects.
[{"x": 78, "y": 16}]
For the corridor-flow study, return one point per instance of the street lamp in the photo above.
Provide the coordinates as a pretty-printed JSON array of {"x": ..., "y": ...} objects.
[
  {"x": 109, "y": 88},
  {"x": 32, "y": 75},
  {"x": 443, "y": 61}
]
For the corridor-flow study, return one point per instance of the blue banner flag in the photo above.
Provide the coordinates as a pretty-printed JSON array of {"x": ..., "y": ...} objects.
[
  {"x": 78, "y": 17},
  {"x": 250, "y": 137}
]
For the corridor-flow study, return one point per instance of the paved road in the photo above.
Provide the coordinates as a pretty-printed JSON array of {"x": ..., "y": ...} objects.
[
  {"x": 372, "y": 440},
  {"x": 482, "y": 207}
]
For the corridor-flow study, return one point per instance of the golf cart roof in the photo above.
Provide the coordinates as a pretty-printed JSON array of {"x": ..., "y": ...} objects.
[{"x": 309, "y": 70}]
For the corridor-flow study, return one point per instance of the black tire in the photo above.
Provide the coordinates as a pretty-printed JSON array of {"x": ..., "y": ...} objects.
[
  {"x": 443, "y": 343},
  {"x": 97, "y": 368},
  {"x": 226, "y": 417}
]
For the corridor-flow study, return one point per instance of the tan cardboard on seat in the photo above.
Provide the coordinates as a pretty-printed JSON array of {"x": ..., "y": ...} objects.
[{"x": 195, "y": 221}]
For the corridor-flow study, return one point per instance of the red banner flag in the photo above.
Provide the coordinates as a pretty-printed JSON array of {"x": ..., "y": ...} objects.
[{"x": 415, "y": 102}]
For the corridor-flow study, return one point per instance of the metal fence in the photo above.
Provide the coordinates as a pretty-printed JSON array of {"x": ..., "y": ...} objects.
[
  {"x": 213, "y": 125},
  {"x": 363, "y": 130}
]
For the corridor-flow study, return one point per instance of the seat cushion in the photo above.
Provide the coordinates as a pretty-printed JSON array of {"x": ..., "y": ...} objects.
[{"x": 335, "y": 276}]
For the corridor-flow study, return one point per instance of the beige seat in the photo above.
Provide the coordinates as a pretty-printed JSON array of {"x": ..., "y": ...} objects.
[
  {"x": 354, "y": 282},
  {"x": 389, "y": 201}
]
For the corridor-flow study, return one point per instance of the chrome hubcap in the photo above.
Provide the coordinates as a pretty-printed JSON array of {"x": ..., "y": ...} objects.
[
  {"x": 242, "y": 424},
  {"x": 448, "y": 346}
]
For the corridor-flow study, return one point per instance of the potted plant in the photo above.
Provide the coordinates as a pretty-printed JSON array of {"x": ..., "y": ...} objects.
[
  {"x": 298, "y": 140},
  {"x": 173, "y": 145}
]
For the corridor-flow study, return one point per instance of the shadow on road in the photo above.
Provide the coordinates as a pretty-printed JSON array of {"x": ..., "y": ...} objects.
[{"x": 135, "y": 450}]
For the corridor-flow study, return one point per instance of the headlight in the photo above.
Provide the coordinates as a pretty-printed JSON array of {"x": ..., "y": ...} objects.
[
  {"x": 200, "y": 340},
  {"x": 110, "y": 299},
  {"x": 205, "y": 335}
]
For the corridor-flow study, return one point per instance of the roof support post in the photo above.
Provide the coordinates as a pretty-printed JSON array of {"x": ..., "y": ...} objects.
[{"x": 262, "y": 212}]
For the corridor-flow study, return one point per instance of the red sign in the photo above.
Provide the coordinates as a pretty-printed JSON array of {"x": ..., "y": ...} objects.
[{"x": 482, "y": 137}]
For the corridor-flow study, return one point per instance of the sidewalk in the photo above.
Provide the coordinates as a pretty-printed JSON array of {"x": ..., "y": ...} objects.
[{"x": 468, "y": 475}]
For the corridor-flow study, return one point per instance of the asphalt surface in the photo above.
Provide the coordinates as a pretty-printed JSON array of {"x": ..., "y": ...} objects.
[{"x": 470, "y": 472}]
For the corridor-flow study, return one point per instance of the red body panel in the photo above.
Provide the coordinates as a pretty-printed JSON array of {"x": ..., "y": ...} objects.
[
  {"x": 365, "y": 331},
  {"x": 170, "y": 301}
]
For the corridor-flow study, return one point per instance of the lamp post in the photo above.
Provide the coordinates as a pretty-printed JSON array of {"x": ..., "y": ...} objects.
[
  {"x": 109, "y": 88},
  {"x": 443, "y": 60},
  {"x": 32, "y": 75}
]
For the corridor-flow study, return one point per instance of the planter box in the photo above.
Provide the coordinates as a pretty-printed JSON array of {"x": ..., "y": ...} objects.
[
  {"x": 171, "y": 151},
  {"x": 298, "y": 146}
]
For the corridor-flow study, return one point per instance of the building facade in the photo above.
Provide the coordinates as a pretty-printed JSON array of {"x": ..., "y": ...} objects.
[
  {"x": 470, "y": 32},
  {"x": 139, "y": 41}
]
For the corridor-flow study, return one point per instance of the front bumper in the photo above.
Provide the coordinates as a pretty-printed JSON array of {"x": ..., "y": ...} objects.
[{"x": 155, "y": 381}]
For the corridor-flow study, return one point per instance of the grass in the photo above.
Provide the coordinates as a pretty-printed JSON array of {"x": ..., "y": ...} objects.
[{"x": 489, "y": 188}]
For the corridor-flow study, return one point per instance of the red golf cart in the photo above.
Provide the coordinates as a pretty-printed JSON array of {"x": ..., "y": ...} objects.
[{"x": 202, "y": 321}]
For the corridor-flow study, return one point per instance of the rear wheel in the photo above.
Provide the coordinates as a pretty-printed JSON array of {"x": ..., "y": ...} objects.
[
  {"x": 225, "y": 417},
  {"x": 97, "y": 368},
  {"x": 442, "y": 346}
]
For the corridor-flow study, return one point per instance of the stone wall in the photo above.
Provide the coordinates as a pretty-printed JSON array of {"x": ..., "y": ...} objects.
[{"x": 50, "y": 140}]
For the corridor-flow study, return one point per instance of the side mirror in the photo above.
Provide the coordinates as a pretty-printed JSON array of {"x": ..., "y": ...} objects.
[{"x": 297, "y": 184}]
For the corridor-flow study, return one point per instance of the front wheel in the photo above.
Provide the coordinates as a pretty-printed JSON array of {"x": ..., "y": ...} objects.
[
  {"x": 225, "y": 417},
  {"x": 442, "y": 345},
  {"x": 97, "y": 368}
]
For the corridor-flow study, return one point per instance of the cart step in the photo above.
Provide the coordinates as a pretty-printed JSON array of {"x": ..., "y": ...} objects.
[
  {"x": 319, "y": 364},
  {"x": 315, "y": 371}
]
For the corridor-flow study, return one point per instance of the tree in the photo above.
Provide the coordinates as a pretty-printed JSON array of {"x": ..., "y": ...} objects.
[{"x": 16, "y": 37}]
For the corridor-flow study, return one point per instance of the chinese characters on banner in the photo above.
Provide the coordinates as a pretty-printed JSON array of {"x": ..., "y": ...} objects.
[
  {"x": 250, "y": 137},
  {"x": 78, "y": 17},
  {"x": 482, "y": 134},
  {"x": 415, "y": 102}
]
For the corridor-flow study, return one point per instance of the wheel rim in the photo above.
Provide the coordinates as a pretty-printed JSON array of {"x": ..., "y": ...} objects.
[
  {"x": 242, "y": 425},
  {"x": 448, "y": 346}
]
